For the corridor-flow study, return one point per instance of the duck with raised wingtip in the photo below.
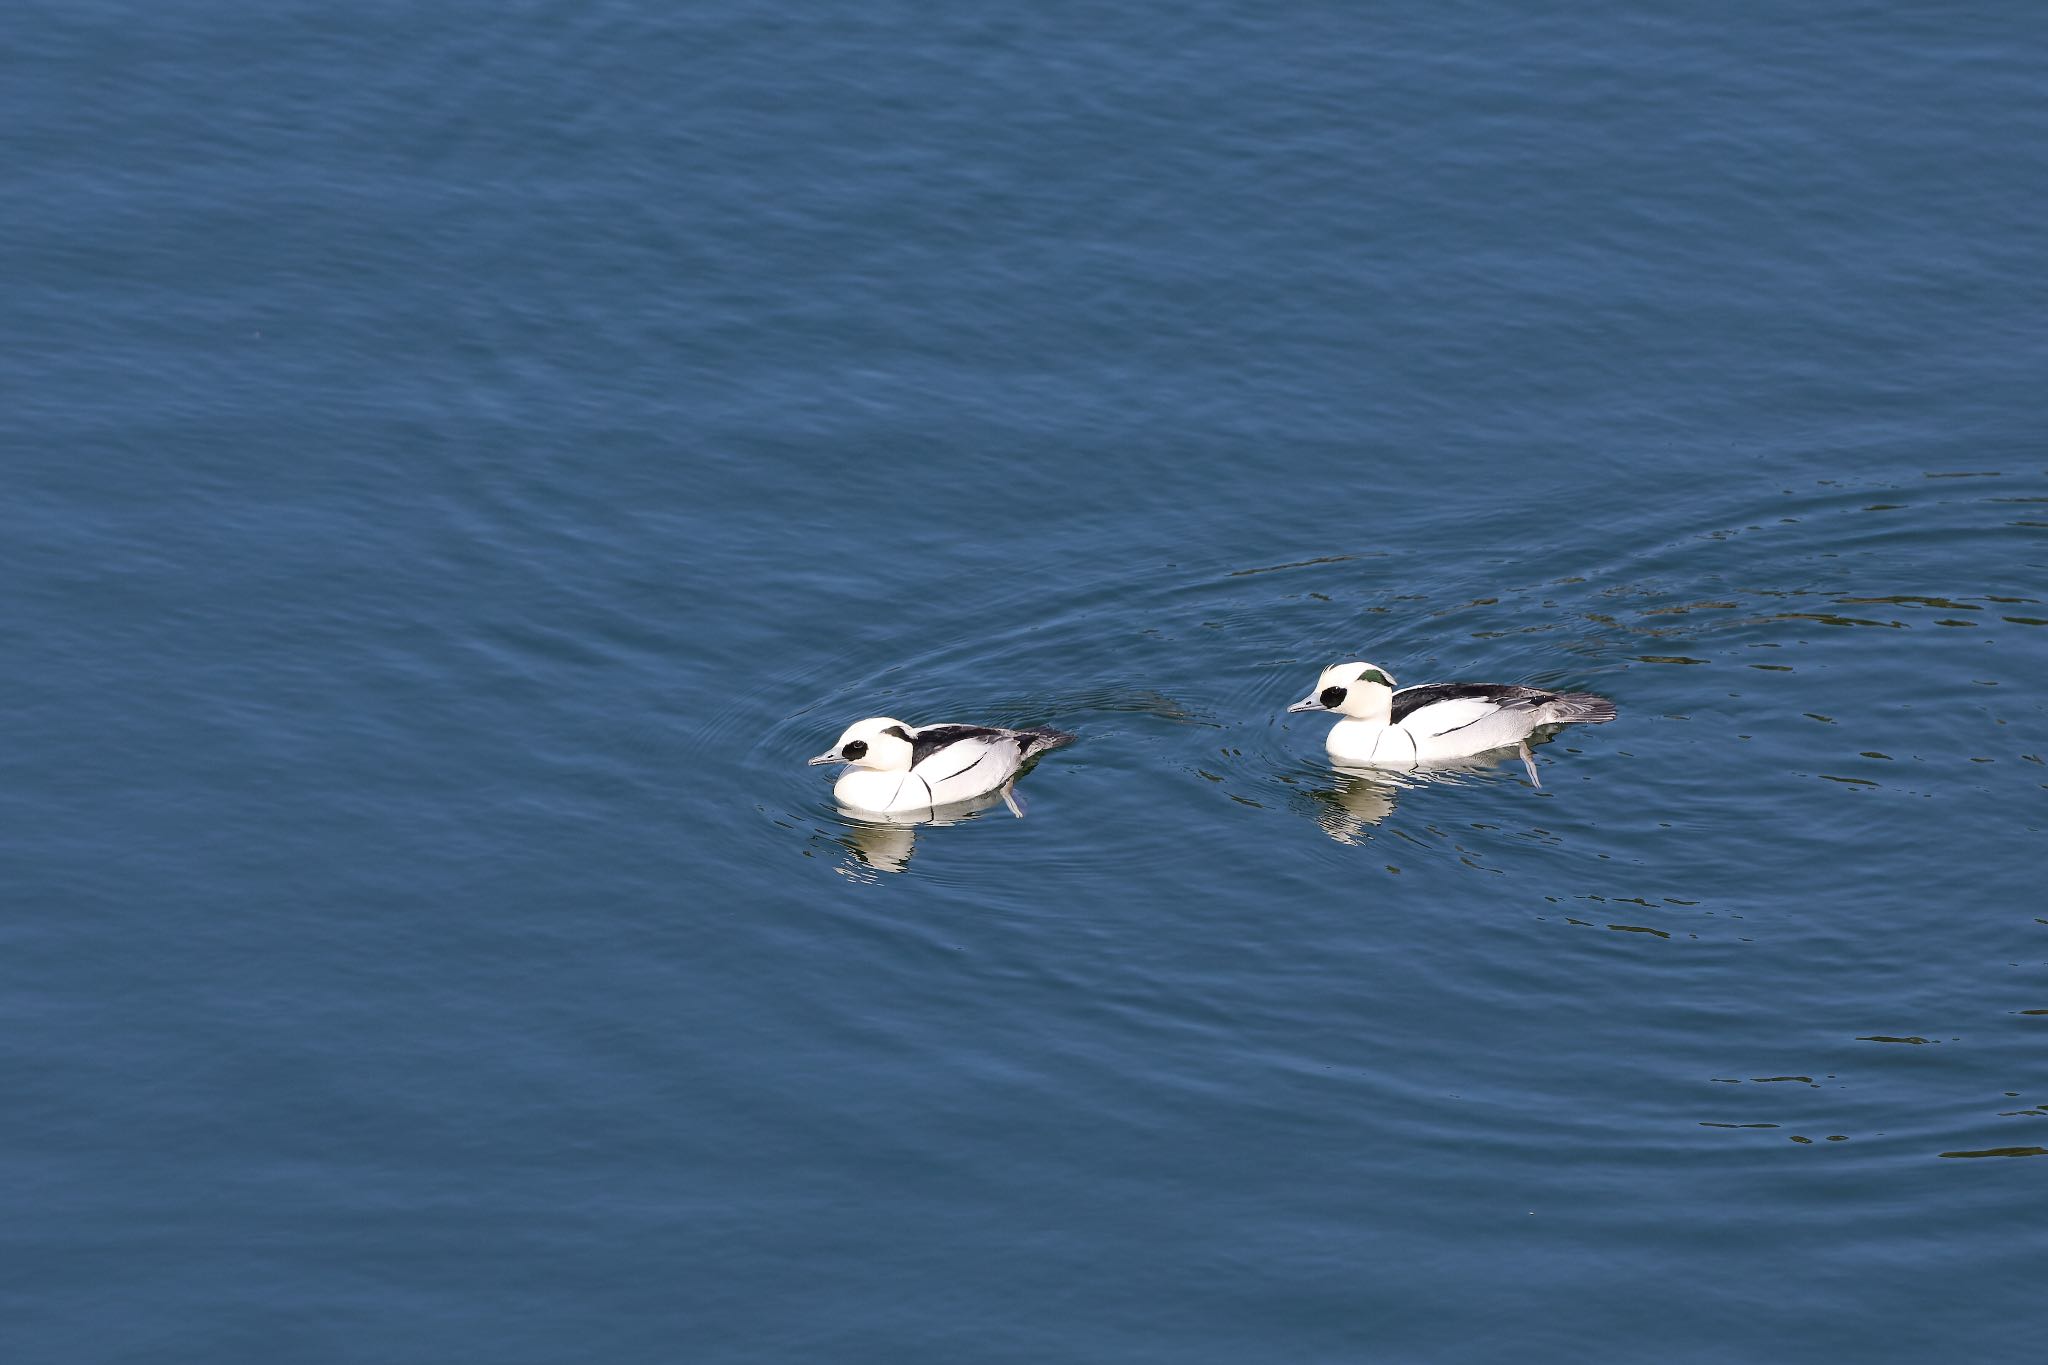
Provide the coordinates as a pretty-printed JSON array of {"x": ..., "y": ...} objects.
[
  {"x": 896, "y": 767},
  {"x": 1383, "y": 726}
]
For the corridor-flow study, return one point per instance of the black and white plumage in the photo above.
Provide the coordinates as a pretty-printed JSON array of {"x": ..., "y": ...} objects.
[
  {"x": 897, "y": 767},
  {"x": 1415, "y": 727}
]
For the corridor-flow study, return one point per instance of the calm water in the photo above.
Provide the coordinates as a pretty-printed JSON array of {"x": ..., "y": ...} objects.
[{"x": 461, "y": 459}]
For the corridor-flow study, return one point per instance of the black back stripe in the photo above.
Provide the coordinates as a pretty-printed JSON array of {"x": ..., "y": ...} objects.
[
  {"x": 933, "y": 738},
  {"x": 1508, "y": 698}
]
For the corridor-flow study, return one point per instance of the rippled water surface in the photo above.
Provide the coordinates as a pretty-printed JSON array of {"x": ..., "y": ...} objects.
[{"x": 462, "y": 460}]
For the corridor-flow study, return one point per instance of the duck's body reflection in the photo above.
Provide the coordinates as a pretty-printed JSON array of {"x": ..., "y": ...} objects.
[
  {"x": 1360, "y": 798},
  {"x": 885, "y": 842}
]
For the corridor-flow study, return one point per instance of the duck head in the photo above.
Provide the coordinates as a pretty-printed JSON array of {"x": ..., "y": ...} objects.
[
  {"x": 1361, "y": 691},
  {"x": 878, "y": 742}
]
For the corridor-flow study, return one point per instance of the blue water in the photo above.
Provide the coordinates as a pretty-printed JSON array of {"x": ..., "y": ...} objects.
[{"x": 461, "y": 459}]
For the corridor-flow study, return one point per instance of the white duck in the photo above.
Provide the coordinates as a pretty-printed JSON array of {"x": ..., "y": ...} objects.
[
  {"x": 1418, "y": 727},
  {"x": 898, "y": 767}
]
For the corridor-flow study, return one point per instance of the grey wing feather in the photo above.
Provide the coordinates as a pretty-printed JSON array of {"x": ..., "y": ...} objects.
[
  {"x": 1581, "y": 708},
  {"x": 1036, "y": 742}
]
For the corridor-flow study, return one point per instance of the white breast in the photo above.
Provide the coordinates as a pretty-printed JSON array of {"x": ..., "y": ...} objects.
[{"x": 1370, "y": 744}]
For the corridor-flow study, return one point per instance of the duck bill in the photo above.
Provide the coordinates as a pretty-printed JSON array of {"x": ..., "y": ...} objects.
[
  {"x": 829, "y": 756},
  {"x": 1308, "y": 704}
]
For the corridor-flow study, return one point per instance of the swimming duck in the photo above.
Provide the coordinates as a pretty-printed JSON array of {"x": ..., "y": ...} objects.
[
  {"x": 1420, "y": 726},
  {"x": 898, "y": 767}
]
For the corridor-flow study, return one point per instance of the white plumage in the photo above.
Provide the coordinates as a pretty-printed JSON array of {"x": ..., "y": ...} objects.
[
  {"x": 897, "y": 767},
  {"x": 1440, "y": 722}
]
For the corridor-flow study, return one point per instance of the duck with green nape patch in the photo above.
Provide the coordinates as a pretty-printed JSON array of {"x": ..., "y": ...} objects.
[{"x": 1384, "y": 726}]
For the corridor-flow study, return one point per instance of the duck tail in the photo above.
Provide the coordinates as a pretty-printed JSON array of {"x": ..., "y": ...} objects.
[
  {"x": 1038, "y": 741},
  {"x": 1579, "y": 708}
]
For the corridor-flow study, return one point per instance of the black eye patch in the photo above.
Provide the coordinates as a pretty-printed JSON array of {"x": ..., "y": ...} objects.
[
  {"x": 855, "y": 751},
  {"x": 1332, "y": 697}
]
